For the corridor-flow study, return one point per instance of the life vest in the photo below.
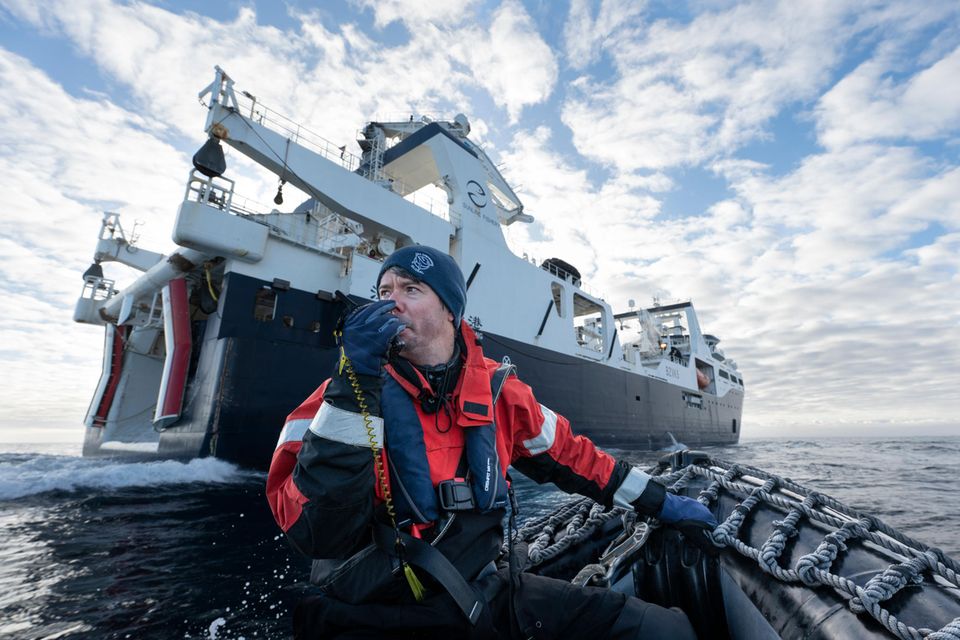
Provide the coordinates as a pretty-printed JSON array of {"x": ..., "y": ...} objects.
[
  {"x": 473, "y": 538},
  {"x": 408, "y": 460}
]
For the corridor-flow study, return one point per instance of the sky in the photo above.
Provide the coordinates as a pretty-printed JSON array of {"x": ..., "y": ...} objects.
[{"x": 791, "y": 167}]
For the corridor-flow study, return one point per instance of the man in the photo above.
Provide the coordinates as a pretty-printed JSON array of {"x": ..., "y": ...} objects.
[{"x": 450, "y": 425}]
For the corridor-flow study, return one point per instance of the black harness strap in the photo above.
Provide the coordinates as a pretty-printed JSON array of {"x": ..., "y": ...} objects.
[{"x": 422, "y": 555}]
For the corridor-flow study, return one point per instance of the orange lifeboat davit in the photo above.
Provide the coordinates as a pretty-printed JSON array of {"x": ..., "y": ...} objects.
[
  {"x": 702, "y": 380},
  {"x": 176, "y": 330}
]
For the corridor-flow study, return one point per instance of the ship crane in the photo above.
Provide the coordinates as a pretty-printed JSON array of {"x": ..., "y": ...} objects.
[{"x": 315, "y": 167}]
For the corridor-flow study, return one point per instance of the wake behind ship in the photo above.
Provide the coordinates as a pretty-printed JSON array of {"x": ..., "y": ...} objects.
[{"x": 212, "y": 346}]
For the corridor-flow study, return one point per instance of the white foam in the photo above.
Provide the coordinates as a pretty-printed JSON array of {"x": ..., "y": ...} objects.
[
  {"x": 134, "y": 447},
  {"x": 215, "y": 627},
  {"x": 45, "y": 473}
]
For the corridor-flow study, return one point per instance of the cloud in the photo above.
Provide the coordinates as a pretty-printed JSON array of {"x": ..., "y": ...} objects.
[
  {"x": 325, "y": 76},
  {"x": 869, "y": 104},
  {"x": 512, "y": 62},
  {"x": 576, "y": 220},
  {"x": 788, "y": 271},
  {"x": 416, "y": 13},
  {"x": 65, "y": 159},
  {"x": 585, "y": 32},
  {"x": 690, "y": 92},
  {"x": 849, "y": 207},
  {"x": 808, "y": 277},
  {"x": 838, "y": 303}
]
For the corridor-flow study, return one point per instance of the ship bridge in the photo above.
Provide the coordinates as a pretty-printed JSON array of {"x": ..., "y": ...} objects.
[{"x": 406, "y": 154}]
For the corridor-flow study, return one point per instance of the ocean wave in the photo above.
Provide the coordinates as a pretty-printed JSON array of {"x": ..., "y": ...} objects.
[{"x": 22, "y": 476}]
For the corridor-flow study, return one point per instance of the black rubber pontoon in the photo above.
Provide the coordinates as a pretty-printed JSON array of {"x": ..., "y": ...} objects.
[{"x": 790, "y": 563}]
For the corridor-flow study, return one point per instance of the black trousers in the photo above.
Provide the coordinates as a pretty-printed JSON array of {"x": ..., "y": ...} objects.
[{"x": 544, "y": 608}]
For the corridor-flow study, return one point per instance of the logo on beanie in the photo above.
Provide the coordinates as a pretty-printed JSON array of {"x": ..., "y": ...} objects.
[{"x": 421, "y": 262}]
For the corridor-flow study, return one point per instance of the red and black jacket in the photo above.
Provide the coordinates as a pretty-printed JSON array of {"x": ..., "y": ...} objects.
[{"x": 322, "y": 488}]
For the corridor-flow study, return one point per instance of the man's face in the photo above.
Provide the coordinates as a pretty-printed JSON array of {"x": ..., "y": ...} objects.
[{"x": 428, "y": 336}]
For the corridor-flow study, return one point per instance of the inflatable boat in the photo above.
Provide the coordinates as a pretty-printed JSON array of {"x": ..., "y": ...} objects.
[{"x": 786, "y": 562}]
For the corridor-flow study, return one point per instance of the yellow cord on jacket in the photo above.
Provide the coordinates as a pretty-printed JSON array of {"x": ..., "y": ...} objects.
[{"x": 415, "y": 585}]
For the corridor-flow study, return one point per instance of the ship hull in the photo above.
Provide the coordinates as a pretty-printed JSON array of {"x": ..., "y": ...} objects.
[
  {"x": 618, "y": 408},
  {"x": 247, "y": 374}
]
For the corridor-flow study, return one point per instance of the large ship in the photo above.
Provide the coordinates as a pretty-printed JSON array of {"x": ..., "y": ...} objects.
[{"x": 210, "y": 348}]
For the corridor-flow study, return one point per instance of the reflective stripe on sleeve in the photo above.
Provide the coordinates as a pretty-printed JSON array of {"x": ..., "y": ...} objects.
[
  {"x": 346, "y": 427},
  {"x": 548, "y": 432},
  {"x": 293, "y": 431},
  {"x": 631, "y": 488}
]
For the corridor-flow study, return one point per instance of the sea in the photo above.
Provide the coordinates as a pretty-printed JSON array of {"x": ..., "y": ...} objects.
[{"x": 109, "y": 549}]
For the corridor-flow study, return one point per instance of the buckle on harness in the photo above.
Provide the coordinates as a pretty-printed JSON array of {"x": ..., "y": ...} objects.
[{"x": 455, "y": 495}]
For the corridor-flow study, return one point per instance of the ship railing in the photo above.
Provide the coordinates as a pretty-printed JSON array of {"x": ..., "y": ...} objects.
[
  {"x": 561, "y": 273},
  {"x": 632, "y": 352},
  {"x": 399, "y": 116},
  {"x": 321, "y": 235},
  {"x": 330, "y": 233},
  {"x": 241, "y": 205},
  {"x": 212, "y": 191},
  {"x": 303, "y": 136},
  {"x": 296, "y": 132},
  {"x": 553, "y": 270},
  {"x": 439, "y": 208},
  {"x": 97, "y": 288},
  {"x": 218, "y": 192},
  {"x": 336, "y": 234}
]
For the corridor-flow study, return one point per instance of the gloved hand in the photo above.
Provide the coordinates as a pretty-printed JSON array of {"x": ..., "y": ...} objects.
[
  {"x": 367, "y": 333},
  {"x": 681, "y": 509},
  {"x": 692, "y": 519}
]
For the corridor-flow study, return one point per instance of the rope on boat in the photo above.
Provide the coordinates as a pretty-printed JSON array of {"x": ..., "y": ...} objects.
[
  {"x": 550, "y": 535},
  {"x": 813, "y": 569}
]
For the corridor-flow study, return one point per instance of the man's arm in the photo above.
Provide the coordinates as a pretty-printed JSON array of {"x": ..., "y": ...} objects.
[
  {"x": 546, "y": 450},
  {"x": 321, "y": 481}
]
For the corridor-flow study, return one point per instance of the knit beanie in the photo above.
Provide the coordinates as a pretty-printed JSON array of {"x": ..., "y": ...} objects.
[{"x": 435, "y": 268}]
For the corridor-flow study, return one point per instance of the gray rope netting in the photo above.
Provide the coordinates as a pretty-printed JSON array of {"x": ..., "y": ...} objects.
[
  {"x": 813, "y": 569},
  {"x": 550, "y": 535}
]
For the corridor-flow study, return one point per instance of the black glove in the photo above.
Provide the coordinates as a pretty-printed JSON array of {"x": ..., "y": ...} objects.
[{"x": 365, "y": 336}]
